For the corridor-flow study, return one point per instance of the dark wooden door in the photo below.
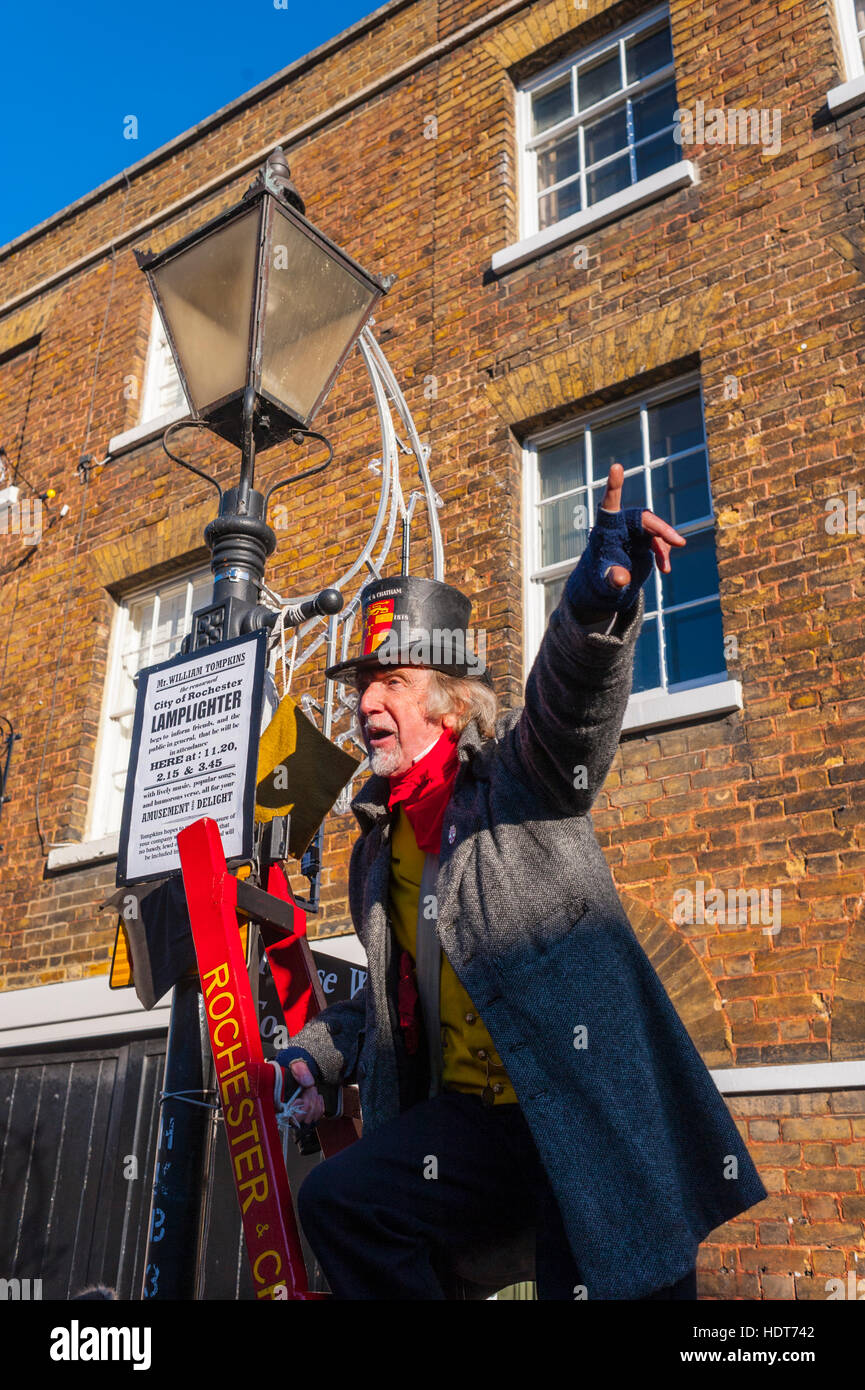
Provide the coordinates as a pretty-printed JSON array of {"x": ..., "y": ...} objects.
[{"x": 78, "y": 1131}]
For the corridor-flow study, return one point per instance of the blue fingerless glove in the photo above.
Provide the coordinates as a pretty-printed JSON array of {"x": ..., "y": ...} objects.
[{"x": 617, "y": 538}]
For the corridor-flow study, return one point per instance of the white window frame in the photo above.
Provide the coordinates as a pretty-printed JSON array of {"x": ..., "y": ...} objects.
[
  {"x": 529, "y": 143},
  {"x": 160, "y": 372},
  {"x": 850, "y": 93},
  {"x": 534, "y": 242},
  {"x": 97, "y": 833},
  {"x": 851, "y": 49},
  {"x": 713, "y": 693},
  {"x": 153, "y": 418}
]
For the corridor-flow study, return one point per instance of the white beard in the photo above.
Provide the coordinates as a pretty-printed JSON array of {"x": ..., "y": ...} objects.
[{"x": 384, "y": 761}]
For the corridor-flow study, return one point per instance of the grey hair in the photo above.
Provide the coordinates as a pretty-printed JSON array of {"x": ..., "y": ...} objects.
[{"x": 464, "y": 696}]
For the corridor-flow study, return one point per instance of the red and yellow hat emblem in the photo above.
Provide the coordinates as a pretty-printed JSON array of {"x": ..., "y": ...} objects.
[{"x": 377, "y": 622}]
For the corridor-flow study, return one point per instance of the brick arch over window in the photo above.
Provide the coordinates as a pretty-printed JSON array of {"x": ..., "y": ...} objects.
[
  {"x": 694, "y": 997},
  {"x": 525, "y": 43},
  {"x": 847, "y": 1029},
  {"x": 151, "y": 551}
]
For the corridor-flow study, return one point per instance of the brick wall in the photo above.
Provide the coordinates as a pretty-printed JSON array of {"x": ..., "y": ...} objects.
[
  {"x": 755, "y": 273},
  {"x": 810, "y": 1149}
]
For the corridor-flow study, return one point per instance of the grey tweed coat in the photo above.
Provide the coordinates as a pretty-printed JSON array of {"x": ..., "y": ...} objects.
[{"x": 639, "y": 1146}]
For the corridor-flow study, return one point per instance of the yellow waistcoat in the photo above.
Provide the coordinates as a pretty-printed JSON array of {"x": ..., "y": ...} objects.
[{"x": 468, "y": 1056}]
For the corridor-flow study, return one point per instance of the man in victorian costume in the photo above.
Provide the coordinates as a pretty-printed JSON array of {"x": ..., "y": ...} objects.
[{"x": 519, "y": 1063}]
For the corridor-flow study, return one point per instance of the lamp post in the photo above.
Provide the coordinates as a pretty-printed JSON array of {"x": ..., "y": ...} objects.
[{"x": 260, "y": 310}]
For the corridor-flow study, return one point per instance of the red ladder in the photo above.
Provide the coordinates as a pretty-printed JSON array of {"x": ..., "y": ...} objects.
[{"x": 214, "y": 897}]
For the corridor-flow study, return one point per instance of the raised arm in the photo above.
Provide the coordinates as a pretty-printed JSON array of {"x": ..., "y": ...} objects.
[{"x": 578, "y": 687}]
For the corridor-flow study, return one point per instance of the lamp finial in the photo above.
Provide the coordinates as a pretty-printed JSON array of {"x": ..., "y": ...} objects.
[{"x": 277, "y": 178}]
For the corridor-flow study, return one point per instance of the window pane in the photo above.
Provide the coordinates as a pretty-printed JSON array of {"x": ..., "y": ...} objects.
[
  {"x": 675, "y": 425},
  {"x": 139, "y": 626},
  {"x": 648, "y": 53},
  {"x": 654, "y": 111},
  {"x": 607, "y": 180},
  {"x": 169, "y": 391},
  {"x": 553, "y": 207},
  {"x": 553, "y": 590},
  {"x": 563, "y": 529},
  {"x": 633, "y": 492},
  {"x": 680, "y": 490},
  {"x": 657, "y": 154},
  {"x": 110, "y": 774},
  {"x": 559, "y": 162},
  {"x": 619, "y": 442},
  {"x": 600, "y": 79},
  {"x": 694, "y": 643},
  {"x": 694, "y": 570},
  {"x": 606, "y": 136},
  {"x": 647, "y": 662},
  {"x": 562, "y": 467},
  {"x": 169, "y": 631},
  {"x": 860, "y": 14},
  {"x": 202, "y": 592},
  {"x": 171, "y": 395},
  {"x": 551, "y": 106}
]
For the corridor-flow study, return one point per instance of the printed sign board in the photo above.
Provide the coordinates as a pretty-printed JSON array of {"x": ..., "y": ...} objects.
[{"x": 194, "y": 753}]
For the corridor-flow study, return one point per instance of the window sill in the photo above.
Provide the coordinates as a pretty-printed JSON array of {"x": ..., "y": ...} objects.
[
  {"x": 83, "y": 856},
  {"x": 845, "y": 97},
  {"x": 680, "y": 175},
  {"x": 653, "y": 711},
  {"x": 151, "y": 429}
]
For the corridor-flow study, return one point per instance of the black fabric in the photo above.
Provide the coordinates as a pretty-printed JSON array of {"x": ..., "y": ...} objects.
[
  {"x": 382, "y": 1220},
  {"x": 168, "y": 936}
]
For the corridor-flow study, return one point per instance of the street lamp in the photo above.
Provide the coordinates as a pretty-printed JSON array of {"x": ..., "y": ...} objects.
[
  {"x": 260, "y": 310},
  {"x": 260, "y": 299}
]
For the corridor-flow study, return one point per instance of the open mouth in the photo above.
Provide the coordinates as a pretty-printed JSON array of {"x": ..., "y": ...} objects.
[{"x": 378, "y": 737}]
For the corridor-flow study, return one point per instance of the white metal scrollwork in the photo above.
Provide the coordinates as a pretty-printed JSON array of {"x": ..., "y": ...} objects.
[{"x": 335, "y": 714}]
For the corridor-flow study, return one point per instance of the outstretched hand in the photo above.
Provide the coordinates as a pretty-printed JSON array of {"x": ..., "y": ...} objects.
[
  {"x": 663, "y": 537},
  {"x": 617, "y": 559}
]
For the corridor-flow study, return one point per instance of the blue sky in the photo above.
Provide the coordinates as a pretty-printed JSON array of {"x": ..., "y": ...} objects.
[{"x": 73, "y": 72}]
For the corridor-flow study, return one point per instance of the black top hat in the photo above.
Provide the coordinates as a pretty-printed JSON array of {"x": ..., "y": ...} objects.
[{"x": 409, "y": 621}]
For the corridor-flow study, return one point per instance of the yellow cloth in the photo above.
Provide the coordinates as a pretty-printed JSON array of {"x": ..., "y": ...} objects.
[
  {"x": 462, "y": 1069},
  {"x": 300, "y": 772}
]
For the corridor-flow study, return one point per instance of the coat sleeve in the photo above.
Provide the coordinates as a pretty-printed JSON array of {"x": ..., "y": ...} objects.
[
  {"x": 330, "y": 1044},
  {"x": 576, "y": 695}
]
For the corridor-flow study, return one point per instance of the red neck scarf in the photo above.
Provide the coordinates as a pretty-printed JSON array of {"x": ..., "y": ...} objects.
[{"x": 425, "y": 788}]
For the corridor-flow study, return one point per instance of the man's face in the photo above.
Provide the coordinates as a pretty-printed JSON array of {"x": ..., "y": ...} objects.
[{"x": 392, "y": 718}]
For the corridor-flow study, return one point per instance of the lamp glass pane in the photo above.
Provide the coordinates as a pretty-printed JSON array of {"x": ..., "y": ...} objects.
[
  {"x": 206, "y": 293},
  {"x": 314, "y": 308}
]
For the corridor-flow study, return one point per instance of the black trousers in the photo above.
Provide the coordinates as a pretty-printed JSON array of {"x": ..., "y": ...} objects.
[{"x": 448, "y": 1172}]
